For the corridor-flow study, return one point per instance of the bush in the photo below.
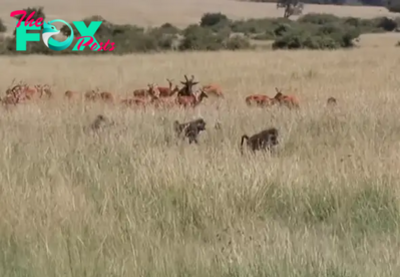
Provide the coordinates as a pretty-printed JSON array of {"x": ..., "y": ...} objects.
[
  {"x": 319, "y": 19},
  {"x": 217, "y": 32},
  {"x": 3, "y": 28},
  {"x": 200, "y": 38},
  {"x": 237, "y": 43},
  {"x": 330, "y": 36},
  {"x": 212, "y": 19}
]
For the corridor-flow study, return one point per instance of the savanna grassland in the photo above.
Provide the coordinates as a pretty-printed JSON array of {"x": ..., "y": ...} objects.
[{"x": 135, "y": 201}]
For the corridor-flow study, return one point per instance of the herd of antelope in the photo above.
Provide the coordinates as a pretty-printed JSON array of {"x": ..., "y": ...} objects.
[
  {"x": 170, "y": 96},
  {"x": 157, "y": 96}
]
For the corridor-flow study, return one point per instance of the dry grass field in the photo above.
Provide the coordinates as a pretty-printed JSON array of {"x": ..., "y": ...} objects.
[{"x": 135, "y": 201}]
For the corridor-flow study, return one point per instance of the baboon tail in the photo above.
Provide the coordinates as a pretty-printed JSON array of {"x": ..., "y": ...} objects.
[{"x": 244, "y": 137}]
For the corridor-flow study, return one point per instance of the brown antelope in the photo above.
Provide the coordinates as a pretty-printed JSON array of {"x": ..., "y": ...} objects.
[
  {"x": 260, "y": 100},
  {"x": 213, "y": 90},
  {"x": 92, "y": 95},
  {"x": 165, "y": 102},
  {"x": 152, "y": 89},
  {"x": 142, "y": 101},
  {"x": 107, "y": 97},
  {"x": 168, "y": 91},
  {"x": 44, "y": 90},
  {"x": 286, "y": 100},
  {"x": 192, "y": 101},
  {"x": 9, "y": 99},
  {"x": 18, "y": 90},
  {"x": 70, "y": 94},
  {"x": 135, "y": 101},
  {"x": 187, "y": 89}
]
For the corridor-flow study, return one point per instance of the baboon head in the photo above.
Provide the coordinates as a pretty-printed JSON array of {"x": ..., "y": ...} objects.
[
  {"x": 99, "y": 122},
  {"x": 200, "y": 124},
  {"x": 331, "y": 101},
  {"x": 273, "y": 137},
  {"x": 188, "y": 85}
]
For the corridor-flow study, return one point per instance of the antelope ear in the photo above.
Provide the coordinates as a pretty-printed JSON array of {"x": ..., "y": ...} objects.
[
  {"x": 183, "y": 83},
  {"x": 195, "y": 83}
]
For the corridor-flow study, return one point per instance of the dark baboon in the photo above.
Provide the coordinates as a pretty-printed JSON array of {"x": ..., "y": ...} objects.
[
  {"x": 261, "y": 141},
  {"x": 100, "y": 122},
  {"x": 331, "y": 101},
  {"x": 190, "y": 129}
]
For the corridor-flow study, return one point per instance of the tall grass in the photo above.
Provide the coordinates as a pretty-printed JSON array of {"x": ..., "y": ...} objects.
[{"x": 135, "y": 201}]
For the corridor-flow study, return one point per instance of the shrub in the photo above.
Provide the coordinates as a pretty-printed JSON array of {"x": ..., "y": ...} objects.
[
  {"x": 237, "y": 43},
  {"x": 3, "y": 27},
  {"x": 212, "y": 19},
  {"x": 330, "y": 36},
  {"x": 200, "y": 38},
  {"x": 319, "y": 18},
  {"x": 216, "y": 32}
]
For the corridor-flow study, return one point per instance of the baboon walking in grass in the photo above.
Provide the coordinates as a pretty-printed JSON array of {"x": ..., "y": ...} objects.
[
  {"x": 261, "y": 141},
  {"x": 100, "y": 122},
  {"x": 190, "y": 129}
]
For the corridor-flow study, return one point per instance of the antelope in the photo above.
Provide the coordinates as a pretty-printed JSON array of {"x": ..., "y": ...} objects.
[
  {"x": 92, "y": 95},
  {"x": 107, "y": 97},
  {"x": 168, "y": 91},
  {"x": 152, "y": 88},
  {"x": 70, "y": 94},
  {"x": 214, "y": 90},
  {"x": 260, "y": 100},
  {"x": 193, "y": 100},
  {"x": 187, "y": 89},
  {"x": 287, "y": 100},
  {"x": 44, "y": 90}
]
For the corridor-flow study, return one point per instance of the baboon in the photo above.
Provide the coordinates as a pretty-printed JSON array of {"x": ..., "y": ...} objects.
[
  {"x": 190, "y": 129},
  {"x": 100, "y": 122},
  {"x": 331, "y": 101},
  {"x": 261, "y": 141}
]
